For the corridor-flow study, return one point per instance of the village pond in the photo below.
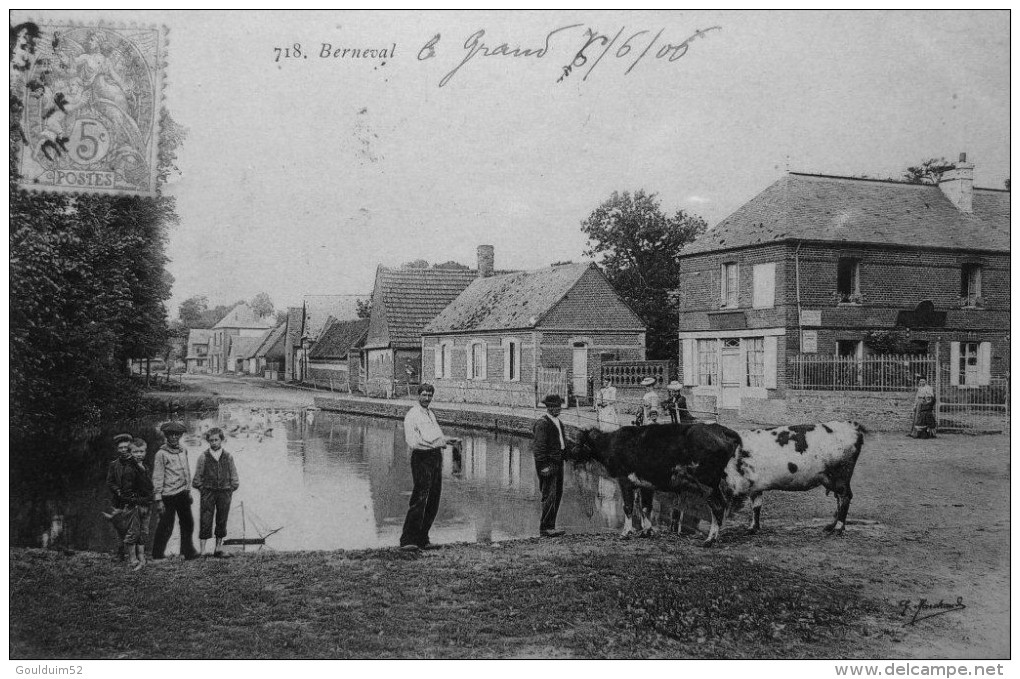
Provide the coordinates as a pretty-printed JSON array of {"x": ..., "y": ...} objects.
[{"x": 333, "y": 481}]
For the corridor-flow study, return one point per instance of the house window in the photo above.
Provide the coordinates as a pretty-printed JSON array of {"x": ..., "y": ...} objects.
[
  {"x": 511, "y": 359},
  {"x": 764, "y": 279},
  {"x": 970, "y": 285},
  {"x": 848, "y": 348},
  {"x": 848, "y": 281},
  {"x": 708, "y": 362},
  {"x": 730, "y": 279},
  {"x": 476, "y": 361},
  {"x": 754, "y": 347},
  {"x": 968, "y": 363}
]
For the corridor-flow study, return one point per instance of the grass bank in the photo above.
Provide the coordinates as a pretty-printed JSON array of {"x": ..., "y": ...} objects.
[{"x": 582, "y": 596}]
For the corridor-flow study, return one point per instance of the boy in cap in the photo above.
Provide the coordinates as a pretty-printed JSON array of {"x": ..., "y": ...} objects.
[
  {"x": 118, "y": 518},
  {"x": 548, "y": 447},
  {"x": 171, "y": 480}
]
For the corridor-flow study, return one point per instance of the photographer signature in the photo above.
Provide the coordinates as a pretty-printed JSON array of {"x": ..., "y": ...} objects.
[{"x": 922, "y": 609}]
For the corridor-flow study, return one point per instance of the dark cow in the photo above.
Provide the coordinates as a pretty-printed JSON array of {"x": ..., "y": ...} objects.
[
  {"x": 797, "y": 457},
  {"x": 675, "y": 458}
]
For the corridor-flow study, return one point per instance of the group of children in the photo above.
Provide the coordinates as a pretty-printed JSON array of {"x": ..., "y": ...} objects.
[
  {"x": 137, "y": 492},
  {"x": 676, "y": 403}
]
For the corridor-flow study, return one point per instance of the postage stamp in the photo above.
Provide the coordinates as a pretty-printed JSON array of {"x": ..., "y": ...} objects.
[{"x": 92, "y": 98}]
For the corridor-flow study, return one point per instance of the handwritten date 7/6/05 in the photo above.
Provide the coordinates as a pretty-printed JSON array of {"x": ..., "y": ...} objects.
[{"x": 629, "y": 48}]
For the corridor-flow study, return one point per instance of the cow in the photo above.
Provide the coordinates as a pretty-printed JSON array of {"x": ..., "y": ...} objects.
[
  {"x": 796, "y": 457},
  {"x": 675, "y": 458}
]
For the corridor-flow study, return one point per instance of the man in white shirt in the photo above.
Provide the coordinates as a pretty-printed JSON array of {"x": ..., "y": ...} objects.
[{"x": 426, "y": 441}]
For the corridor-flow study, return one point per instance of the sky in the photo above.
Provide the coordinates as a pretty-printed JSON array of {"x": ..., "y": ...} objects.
[{"x": 300, "y": 175}]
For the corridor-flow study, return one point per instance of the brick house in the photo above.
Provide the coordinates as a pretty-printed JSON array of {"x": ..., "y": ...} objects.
[
  {"x": 403, "y": 301},
  {"x": 814, "y": 262},
  {"x": 336, "y": 358},
  {"x": 490, "y": 344},
  {"x": 241, "y": 321}
]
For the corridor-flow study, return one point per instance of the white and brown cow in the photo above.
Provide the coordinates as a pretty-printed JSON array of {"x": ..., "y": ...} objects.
[{"x": 797, "y": 457}]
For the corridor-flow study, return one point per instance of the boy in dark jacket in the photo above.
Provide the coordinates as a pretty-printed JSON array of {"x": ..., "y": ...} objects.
[
  {"x": 130, "y": 484},
  {"x": 216, "y": 480}
]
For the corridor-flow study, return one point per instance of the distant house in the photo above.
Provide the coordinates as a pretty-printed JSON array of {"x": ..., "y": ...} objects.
[
  {"x": 403, "y": 302},
  {"x": 336, "y": 358},
  {"x": 240, "y": 353},
  {"x": 316, "y": 311},
  {"x": 268, "y": 356},
  {"x": 197, "y": 356},
  {"x": 815, "y": 265},
  {"x": 493, "y": 343},
  {"x": 240, "y": 322}
]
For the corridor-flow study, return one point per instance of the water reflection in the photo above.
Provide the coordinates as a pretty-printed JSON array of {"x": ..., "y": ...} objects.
[{"x": 335, "y": 481}]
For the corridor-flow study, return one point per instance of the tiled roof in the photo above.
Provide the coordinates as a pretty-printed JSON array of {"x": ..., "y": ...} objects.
[
  {"x": 508, "y": 301},
  {"x": 241, "y": 347},
  {"x": 410, "y": 298},
  {"x": 294, "y": 316},
  {"x": 270, "y": 338},
  {"x": 318, "y": 308},
  {"x": 242, "y": 316},
  {"x": 339, "y": 337},
  {"x": 814, "y": 207}
]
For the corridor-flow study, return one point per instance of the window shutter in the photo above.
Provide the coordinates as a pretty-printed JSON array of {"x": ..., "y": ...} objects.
[
  {"x": 507, "y": 348},
  {"x": 437, "y": 361},
  {"x": 985, "y": 362},
  {"x": 690, "y": 367},
  {"x": 771, "y": 362},
  {"x": 954, "y": 364},
  {"x": 485, "y": 361},
  {"x": 470, "y": 360}
]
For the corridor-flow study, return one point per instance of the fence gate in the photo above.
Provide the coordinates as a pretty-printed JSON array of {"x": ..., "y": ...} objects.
[
  {"x": 551, "y": 381},
  {"x": 971, "y": 408}
]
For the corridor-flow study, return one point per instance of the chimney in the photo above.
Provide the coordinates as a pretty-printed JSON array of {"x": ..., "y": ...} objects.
[
  {"x": 958, "y": 185},
  {"x": 486, "y": 260}
]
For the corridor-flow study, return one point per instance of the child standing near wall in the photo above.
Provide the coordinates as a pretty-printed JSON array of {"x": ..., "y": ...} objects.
[{"x": 216, "y": 480}]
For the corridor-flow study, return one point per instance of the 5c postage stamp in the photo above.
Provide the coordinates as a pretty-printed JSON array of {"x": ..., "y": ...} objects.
[{"x": 92, "y": 107}]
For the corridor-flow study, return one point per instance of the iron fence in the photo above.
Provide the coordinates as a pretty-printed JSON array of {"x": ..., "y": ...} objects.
[
  {"x": 551, "y": 381},
  {"x": 870, "y": 373}
]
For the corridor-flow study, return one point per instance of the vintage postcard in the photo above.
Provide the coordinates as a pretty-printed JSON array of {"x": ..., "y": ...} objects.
[{"x": 572, "y": 334}]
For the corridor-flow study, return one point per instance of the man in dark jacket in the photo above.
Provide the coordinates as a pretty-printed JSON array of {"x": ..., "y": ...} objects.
[{"x": 548, "y": 447}]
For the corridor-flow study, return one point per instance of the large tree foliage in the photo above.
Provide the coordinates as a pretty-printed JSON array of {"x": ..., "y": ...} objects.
[
  {"x": 638, "y": 247},
  {"x": 928, "y": 172},
  {"x": 262, "y": 304},
  {"x": 88, "y": 287}
]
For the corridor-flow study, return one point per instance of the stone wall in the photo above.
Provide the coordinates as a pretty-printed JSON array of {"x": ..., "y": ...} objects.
[{"x": 878, "y": 411}]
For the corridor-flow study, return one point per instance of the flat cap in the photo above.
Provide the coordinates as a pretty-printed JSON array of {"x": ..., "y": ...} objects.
[
  {"x": 173, "y": 428},
  {"x": 122, "y": 438}
]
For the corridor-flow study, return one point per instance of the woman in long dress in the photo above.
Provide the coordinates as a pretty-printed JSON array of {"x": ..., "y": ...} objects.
[
  {"x": 925, "y": 425},
  {"x": 608, "y": 417}
]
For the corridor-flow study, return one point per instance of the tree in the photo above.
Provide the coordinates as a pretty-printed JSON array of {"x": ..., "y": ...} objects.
[
  {"x": 416, "y": 264},
  {"x": 452, "y": 265},
  {"x": 191, "y": 310},
  {"x": 364, "y": 308},
  {"x": 928, "y": 172},
  {"x": 262, "y": 305},
  {"x": 639, "y": 250}
]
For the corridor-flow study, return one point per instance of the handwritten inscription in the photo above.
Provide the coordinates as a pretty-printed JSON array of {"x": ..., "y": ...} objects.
[
  {"x": 633, "y": 46},
  {"x": 628, "y": 49},
  {"x": 922, "y": 609}
]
